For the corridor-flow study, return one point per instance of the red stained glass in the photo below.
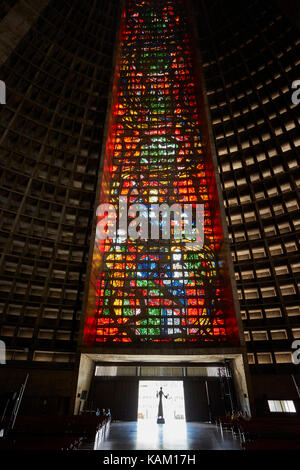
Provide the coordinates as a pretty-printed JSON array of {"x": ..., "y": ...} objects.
[{"x": 159, "y": 290}]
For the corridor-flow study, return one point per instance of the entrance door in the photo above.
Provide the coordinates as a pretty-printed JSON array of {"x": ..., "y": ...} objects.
[
  {"x": 216, "y": 398},
  {"x": 204, "y": 399},
  {"x": 196, "y": 404}
]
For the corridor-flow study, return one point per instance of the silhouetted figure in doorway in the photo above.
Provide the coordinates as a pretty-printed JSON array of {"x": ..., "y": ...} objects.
[{"x": 160, "y": 413}]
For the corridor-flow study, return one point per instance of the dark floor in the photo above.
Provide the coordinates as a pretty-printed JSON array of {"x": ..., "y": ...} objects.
[{"x": 170, "y": 436}]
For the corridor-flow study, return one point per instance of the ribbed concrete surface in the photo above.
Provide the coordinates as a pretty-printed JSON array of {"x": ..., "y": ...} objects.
[{"x": 17, "y": 23}]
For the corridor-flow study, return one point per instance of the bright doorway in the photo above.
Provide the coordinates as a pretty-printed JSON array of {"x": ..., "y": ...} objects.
[{"x": 173, "y": 405}]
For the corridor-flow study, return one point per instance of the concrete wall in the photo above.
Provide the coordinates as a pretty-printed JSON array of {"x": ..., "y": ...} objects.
[
  {"x": 17, "y": 23},
  {"x": 274, "y": 387},
  {"x": 48, "y": 390}
]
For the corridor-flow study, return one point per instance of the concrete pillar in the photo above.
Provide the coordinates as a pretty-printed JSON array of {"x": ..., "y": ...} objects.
[{"x": 85, "y": 374}]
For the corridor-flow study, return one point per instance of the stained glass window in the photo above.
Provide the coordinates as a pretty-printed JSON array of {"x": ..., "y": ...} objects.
[{"x": 159, "y": 290}]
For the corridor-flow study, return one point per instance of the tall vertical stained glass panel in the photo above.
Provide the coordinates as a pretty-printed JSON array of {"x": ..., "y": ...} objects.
[{"x": 159, "y": 290}]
